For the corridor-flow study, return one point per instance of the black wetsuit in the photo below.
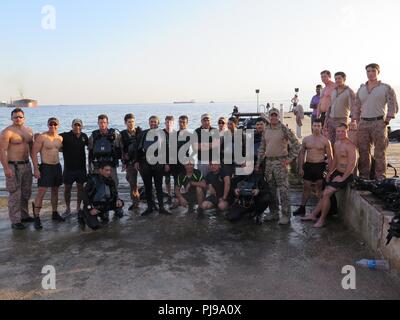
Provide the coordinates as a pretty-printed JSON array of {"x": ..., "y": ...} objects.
[
  {"x": 150, "y": 172},
  {"x": 247, "y": 204},
  {"x": 99, "y": 193}
]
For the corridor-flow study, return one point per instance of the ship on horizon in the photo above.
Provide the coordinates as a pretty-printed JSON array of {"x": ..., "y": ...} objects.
[
  {"x": 23, "y": 103},
  {"x": 185, "y": 102}
]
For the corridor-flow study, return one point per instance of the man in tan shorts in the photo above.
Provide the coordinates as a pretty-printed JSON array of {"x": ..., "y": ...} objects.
[
  {"x": 49, "y": 172},
  {"x": 340, "y": 175},
  {"x": 15, "y": 145}
]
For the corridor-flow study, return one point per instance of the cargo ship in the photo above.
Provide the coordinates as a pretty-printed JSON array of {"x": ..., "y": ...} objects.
[
  {"x": 185, "y": 102},
  {"x": 23, "y": 103}
]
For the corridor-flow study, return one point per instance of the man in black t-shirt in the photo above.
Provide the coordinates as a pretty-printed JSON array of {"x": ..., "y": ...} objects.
[
  {"x": 220, "y": 193},
  {"x": 74, "y": 152}
]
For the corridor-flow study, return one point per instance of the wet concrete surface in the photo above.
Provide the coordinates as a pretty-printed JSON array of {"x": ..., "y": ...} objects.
[{"x": 186, "y": 257}]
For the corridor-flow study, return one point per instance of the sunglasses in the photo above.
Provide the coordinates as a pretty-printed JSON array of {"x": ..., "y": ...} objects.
[
  {"x": 221, "y": 122},
  {"x": 77, "y": 125},
  {"x": 53, "y": 124},
  {"x": 18, "y": 117}
]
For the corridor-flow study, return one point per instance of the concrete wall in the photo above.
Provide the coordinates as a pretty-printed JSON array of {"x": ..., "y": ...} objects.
[{"x": 364, "y": 213}]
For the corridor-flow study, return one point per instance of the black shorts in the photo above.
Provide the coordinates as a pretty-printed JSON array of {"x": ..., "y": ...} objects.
[
  {"x": 72, "y": 176},
  {"x": 339, "y": 185},
  {"x": 314, "y": 171},
  {"x": 50, "y": 175}
]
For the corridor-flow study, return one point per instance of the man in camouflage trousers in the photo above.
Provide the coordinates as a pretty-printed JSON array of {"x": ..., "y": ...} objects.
[
  {"x": 279, "y": 147},
  {"x": 376, "y": 105},
  {"x": 15, "y": 146}
]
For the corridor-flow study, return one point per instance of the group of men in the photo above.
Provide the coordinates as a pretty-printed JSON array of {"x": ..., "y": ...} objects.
[
  {"x": 337, "y": 109},
  {"x": 326, "y": 159}
]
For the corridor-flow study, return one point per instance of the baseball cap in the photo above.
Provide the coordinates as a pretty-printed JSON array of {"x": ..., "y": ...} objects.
[
  {"x": 274, "y": 111},
  {"x": 205, "y": 116},
  {"x": 77, "y": 121},
  {"x": 53, "y": 120}
]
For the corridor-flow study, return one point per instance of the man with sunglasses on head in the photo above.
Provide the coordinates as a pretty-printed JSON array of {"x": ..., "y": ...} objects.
[
  {"x": 15, "y": 146},
  {"x": 74, "y": 147},
  {"x": 49, "y": 172}
]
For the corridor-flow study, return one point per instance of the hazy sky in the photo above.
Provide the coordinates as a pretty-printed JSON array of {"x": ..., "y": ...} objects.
[{"x": 131, "y": 51}]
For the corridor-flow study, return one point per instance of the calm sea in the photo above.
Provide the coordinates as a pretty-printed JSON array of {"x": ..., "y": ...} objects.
[{"x": 37, "y": 118}]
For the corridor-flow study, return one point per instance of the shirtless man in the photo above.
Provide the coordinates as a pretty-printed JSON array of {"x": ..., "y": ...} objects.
[
  {"x": 314, "y": 149},
  {"x": 15, "y": 145},
  {"x": 49, "y": 172},
  {"x": 341, "y": 174}
]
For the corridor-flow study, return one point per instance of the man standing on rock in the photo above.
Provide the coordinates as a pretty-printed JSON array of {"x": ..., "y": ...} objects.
[
  {"x": 279, "y": 148},
  {"x": 49, "y": 172},
  {"x": 340, "y": 175},
  {"x": 376, "y": 106},
  {"x": 15, "y": 146},
  {"x": 342, "y": 105}
]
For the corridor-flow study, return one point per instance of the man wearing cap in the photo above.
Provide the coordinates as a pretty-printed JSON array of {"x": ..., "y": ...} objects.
[
  {"x": 15, "y": 146},
  {"x": 49, "y": 172},
  {"x": 207, "y": 144},
  {"x": 74, "y": 153},
  {"x": 376, "y": 105},
  {"x": 279, "y": 148}
]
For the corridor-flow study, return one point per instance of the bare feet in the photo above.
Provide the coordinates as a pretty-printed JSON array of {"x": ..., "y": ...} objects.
[
  {"x": 309, "y": 217},
  {"x": 320, "y": 224}
]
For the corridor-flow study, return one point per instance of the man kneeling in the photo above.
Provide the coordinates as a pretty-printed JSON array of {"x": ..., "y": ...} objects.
[
  {"x": 100, "y": 196},
  {"x": 252, "y": 197},
  {"x": 190, "y": 188},
  {"x": 344, "y": 163}
]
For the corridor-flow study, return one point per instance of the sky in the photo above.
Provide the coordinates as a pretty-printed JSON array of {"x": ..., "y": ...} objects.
[{"x": 131, "y": 51}]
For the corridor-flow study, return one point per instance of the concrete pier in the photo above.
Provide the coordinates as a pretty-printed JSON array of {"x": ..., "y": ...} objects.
[{"x": 187, "y": 257}]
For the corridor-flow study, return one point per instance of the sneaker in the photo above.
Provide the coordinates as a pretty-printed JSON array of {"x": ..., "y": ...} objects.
[
  {"x": 56, "y": 217},
  {"x": 300, "y": 211},
  {"x": 28, "y": 220},
  {"x": 18, "y": 226},
  {"x": 284, "y": 220},
  {"x": 38, "y": 224},
  {"x": 164, "y": 212}
]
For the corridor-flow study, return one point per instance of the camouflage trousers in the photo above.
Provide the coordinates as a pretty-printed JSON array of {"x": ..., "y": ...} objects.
[
  {"x": 332, "y": 124},
  {"x": 277, "y": 177},
  {"x": 20, "y": 190},
  {"x": 372, "y": 133}
]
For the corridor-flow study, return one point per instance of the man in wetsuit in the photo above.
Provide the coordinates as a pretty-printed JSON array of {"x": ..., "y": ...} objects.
[
  {"x": 339, "y": 176},
  {"x": 49, "y": 172},
  {"x": 105, "y": 147},
  {"x": 15, "y": 146},
  {"x": 100, "y": 196},
  {"x": 151, "y": 171},
  {"x": 315, "y": 149},
  {"x": 129, "y": 141},
  {"x": 252, "y": 197}
]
